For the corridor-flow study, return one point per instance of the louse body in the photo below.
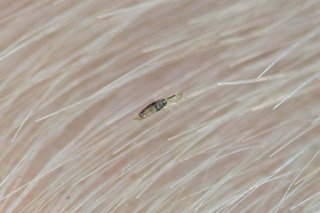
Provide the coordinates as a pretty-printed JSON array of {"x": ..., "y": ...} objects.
[
  {"x": 152, "y": 108},
  {"x": 159, "y": 105}
]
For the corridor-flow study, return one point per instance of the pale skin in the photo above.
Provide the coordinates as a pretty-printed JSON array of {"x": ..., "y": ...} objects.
[{"x": 243, "y": 137}]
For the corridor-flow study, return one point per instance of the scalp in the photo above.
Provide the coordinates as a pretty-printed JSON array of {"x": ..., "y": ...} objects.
[{"x": 243, "y": 138}]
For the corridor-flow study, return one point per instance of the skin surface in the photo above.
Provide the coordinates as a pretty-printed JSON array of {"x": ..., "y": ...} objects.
[{"x": 74, "y": 74}]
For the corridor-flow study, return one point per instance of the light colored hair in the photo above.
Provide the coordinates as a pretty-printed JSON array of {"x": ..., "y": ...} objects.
[{"x": 244, "y": 137}]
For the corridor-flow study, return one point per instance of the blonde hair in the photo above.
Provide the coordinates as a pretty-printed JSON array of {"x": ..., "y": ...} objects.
[{"x": 244, "y": 138}]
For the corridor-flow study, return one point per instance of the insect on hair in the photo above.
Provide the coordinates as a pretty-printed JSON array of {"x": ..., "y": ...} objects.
[{"x": 159, "y": 105}]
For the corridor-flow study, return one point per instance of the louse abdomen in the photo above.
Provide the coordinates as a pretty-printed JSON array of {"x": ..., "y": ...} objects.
[
  {"x": 152, "y": 108},
  {"x": 160, "y": 104}
]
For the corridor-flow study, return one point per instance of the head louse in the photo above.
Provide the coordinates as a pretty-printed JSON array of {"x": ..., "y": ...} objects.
[
  {"x": 152, "y": 108},
  {"x": 159, "y": 105}
]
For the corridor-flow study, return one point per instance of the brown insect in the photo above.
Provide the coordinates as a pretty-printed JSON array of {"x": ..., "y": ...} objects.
[{"x": 158, "y": 105}]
